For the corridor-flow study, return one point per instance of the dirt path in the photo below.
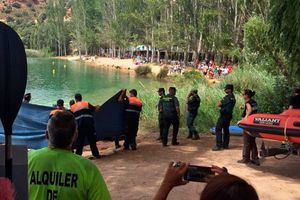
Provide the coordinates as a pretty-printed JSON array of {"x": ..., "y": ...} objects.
[{"x": 137, "y": 175}]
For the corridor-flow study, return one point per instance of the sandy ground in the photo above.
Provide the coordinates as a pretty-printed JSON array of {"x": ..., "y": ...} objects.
[
  {"x": 136, "y": 175},
  {"x": 113, "y": 63}
]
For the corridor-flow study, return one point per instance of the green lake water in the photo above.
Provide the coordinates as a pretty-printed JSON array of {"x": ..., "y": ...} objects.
[{"x": 51, "y": 79}]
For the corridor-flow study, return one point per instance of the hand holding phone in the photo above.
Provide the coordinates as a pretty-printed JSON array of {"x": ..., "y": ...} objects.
[{"x": 198, "y": 173}]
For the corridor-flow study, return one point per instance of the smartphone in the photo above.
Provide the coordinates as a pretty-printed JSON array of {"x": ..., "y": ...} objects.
[{"x": 198, "y": 173}]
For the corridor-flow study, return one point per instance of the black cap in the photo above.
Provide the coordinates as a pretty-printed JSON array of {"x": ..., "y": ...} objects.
[
  {"x": 60, "y": 102},
  {"x": 229, "y": 86},
  {"x": 161, "y": 90}
]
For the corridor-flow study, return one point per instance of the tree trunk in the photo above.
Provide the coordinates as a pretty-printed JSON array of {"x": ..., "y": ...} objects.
[{"x": 158, "y": 56}]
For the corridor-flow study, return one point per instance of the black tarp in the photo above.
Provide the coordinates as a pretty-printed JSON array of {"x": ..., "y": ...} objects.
[{"x": 31, "y": 122}]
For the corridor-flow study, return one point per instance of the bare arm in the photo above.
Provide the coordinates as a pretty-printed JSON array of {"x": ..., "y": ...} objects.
[
  {"x": 173, "y": 178},
  {"x": 178, "y": 111},
  {"x": 123, "y": 93},
  {"x": 248, "y": 110},
  {"x": 219, "y": 104}
]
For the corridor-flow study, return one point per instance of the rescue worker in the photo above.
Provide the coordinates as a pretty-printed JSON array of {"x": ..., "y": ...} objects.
[
  {"x": 161, "y": 93},
  {"x": 133, "y": 107},
  {"x": 226, "y": 109},
  {"x": 58, "y": 108},
  {"x": 82, "y": 111},
  {"x": 193, "y": 104},
  {"x": 71, "y": 102},
  {"x": 249, "y": 141},
  {"x": 27, "y": 98},
  {"x": 295, "y": 100},
  {"x": 170, "y": 111}
]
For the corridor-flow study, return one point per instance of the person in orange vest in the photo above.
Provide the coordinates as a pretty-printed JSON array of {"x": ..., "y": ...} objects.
[
  {"x": 133, "y": 107},
  {"x": 58, "y": 108},
  {"x": 82, "y": 111}
]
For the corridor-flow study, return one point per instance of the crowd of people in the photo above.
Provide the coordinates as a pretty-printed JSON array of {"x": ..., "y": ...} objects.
[
  {"x": 211, "y": 70},
  {"x": 66, "y": 128}
]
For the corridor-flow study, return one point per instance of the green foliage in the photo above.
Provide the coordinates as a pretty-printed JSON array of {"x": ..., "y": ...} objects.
[
  {"x": 31, "y": 53},
  {"x": 163, "y": 73},
  {"x": 7, "y": 9},
  {"x": 143, "y": 70},
  {"x": 285, "y": 31}
]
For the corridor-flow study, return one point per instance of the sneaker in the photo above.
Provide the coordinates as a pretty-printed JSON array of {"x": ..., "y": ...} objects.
[
  {"x": 243, "y": 161},
  {"x": 175, "y": 143},
  {"x": 216, "y": 148},
  {"x": 94, "y": 157},
  {"x": 165, "y": 145},
  {"x": 255, "y": 162},
  {"x": 189, "y": 137}
]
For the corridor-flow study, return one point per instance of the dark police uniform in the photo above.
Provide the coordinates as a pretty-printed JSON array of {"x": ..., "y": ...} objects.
[
  {"x": 228, "y": 103},
  {"x": 82, "y": 111},
  {"x": 160, "y": 120},
  {"x": 193, "y": 106},
  {"x": 167, "y": 106},
  {"x": 295, "y": 101},
  {"x": 249, "y": 141},
  {"x": 132, "y": 118}
]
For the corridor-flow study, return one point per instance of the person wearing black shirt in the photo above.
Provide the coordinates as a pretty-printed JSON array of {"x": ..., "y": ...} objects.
[
  {"x": 226, "y": 109},
  {"x": 295, "y": 100},
  {"x": 193, "y": 104},
  {"x": 249, "y": 141},
  {"x": 161, "y": 93}
]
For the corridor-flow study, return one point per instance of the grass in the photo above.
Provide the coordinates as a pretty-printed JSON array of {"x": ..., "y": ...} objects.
[{"x": 260, "y": 81}]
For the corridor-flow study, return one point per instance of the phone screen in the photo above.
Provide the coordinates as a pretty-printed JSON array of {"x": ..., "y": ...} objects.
[{"x": 198, "y": 173}]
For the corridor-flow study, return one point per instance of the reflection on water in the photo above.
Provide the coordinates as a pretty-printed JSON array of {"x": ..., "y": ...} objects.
[{"x": 51, "y": 79}]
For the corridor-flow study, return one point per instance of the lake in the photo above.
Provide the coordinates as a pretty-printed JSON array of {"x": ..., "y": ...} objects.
[{"x": 51, "y": 79}]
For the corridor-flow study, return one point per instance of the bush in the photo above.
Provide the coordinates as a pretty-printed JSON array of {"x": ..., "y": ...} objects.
[
  {"x": 9, "y": 19},
  {"x": 29, "y": 4},
  {"x": 18, "y": 14},
  {"x": 16, "y": 5},
  {"x": 143, "y": 70},
  {"x": 7, "y": 9},
  {"x": 163, "y": 73}
]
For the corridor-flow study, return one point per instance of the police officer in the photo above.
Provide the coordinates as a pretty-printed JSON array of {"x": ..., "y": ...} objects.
[
  {"x": 82, "y": 111},
  {"x": 161, "y": 93},
  {"x": 226, "y": 109},
  {"x": 133, "y": 107},
  {"x": 58, "y": 108},
  {"x": 193, "y": 104},
  {"x": 170, "y": 111},
  {"x": 249, "y": 141}
]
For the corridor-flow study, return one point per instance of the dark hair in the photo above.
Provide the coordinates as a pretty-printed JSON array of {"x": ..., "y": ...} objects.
[
  {"x": 172, "y": 88},
  {"x": 297, "y": 90},
  {"x": 133, "y": 92},
  {"x": 60, "y": 102},
  {"x": 27, "y": 97},
  {"x": 61, "y": 129},
  {"x": 249, "y": 93},
  {"x": 78, "y": 97},
  {"x": 228, "y": 187},
  {"x": 72, "y": 102}
]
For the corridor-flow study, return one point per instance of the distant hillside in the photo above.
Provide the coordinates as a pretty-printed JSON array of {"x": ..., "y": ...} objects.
[{"x": 15, "y": 11}]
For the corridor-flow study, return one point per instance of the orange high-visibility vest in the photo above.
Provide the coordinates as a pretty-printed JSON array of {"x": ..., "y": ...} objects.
[{"x": 81, "y": 109}]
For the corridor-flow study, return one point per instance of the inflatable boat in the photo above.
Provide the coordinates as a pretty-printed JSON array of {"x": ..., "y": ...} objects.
[{"x": 281, "y": 127}]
